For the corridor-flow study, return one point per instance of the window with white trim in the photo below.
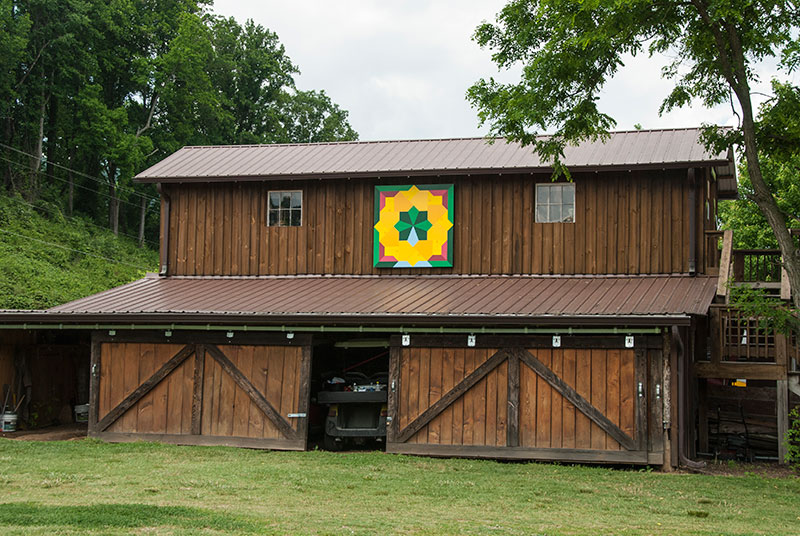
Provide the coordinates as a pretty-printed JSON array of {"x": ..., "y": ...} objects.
[
  {"x": 555, "y": 203},
  {"x": 285, "y": 208}
]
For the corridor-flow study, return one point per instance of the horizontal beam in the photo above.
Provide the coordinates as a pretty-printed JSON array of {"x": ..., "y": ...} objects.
[
  {"x": 749, "y": 371},
  {"x": 202, "y": 440},
  {"x": 477, "y": 330},
  {"x": 523, "y": 453},
  {"x": 649, "y": 339}
]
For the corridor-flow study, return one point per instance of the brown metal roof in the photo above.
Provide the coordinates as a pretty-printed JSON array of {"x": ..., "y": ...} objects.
[
  {"x": 623, "y": 150},
  {"x": 431, "y": 299}
]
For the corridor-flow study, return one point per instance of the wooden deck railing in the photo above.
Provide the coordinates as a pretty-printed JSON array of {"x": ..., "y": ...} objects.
[
  {"x": 758, "y": 268},
  {"x": 741, "y": 338},
  {"x": 757, "y": 265},
  {"x": 745, "y": 346}
]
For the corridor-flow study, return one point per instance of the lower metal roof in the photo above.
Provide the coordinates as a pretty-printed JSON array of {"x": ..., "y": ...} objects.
[{"x": 381, "y": 299}]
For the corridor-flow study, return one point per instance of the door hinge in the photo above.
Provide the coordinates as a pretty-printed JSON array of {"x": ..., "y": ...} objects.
[{"x": 296, "y": 415}]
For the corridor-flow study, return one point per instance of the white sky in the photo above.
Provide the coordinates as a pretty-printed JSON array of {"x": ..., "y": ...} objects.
[{"x": 402, "y": 68}]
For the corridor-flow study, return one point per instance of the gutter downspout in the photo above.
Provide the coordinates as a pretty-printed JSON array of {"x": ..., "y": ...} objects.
[
  {"x": 165, "y": 230},
  {"x": 678, "y": 351},
  {"x": 692, "y": 222}
]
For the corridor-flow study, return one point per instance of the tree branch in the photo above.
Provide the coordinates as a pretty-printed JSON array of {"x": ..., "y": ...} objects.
[
  {"x": 146, "y": 126},
  {"x": 39, "y": 55}
]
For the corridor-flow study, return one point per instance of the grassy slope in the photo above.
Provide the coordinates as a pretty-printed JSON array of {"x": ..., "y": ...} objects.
[
  {"x": 37, "y": 275},
  {"x": 89, "y": 487}
]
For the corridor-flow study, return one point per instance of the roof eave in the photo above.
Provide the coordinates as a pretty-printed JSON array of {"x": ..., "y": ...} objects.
[
  {"x": 92, "y": 320},
  {"x": 141, "y": 178}
]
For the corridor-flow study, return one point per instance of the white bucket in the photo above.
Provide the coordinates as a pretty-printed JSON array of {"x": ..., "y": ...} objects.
[
  {"x": 9, "y": 422},
  {"x": 82, "y": 413}
]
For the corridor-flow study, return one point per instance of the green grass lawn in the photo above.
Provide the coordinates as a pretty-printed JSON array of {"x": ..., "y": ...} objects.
[{"x": 90, "y": 487}]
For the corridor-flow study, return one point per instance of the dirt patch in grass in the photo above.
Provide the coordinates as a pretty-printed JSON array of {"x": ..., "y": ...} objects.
[
  {"x": 768, "y": 470},
  {"x": 62, "y": 432}
]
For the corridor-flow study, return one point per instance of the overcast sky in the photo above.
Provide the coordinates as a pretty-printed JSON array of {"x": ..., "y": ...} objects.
[{"x": 402, "y": 68}]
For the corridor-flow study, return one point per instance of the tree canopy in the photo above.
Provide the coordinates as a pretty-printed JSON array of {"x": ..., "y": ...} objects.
[
  {"x": 569, "y": 50},
  {"x": 92, "y": 91},
  {"x": 743, "y": 215}
]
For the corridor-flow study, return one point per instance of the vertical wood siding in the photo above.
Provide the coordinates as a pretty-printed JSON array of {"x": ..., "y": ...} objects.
[
  {"x": 626, "y": 223},
  {"x": 227, "y": 410},
  {"x": 476, "y": 418},
  {"x": 606, "y": 378}
]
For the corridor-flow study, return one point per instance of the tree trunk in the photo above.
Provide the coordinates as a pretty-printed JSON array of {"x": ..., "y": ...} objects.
[
  {"x": 71, "y": 190},
  {"x": 8, "y": 178},
  {"x": 763, "y": 197},
  {"x": 113, "y": 200},
  {"x": 732, "y": 64},
  {"x": 141, "y": 221},
  {"x": 52, "y": 122},
  {"x": 36, "y": 159}
]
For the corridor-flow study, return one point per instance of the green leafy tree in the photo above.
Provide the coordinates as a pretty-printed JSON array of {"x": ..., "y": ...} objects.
[
  {"x": 311, "y": 116},
  {"x": 569, "y": 50},
  {"x": 253, "y": 74},
  {"x": 93, "y": 91},
  {"x": 743, "y": 215},
  {"x": 14, "y": 27}
]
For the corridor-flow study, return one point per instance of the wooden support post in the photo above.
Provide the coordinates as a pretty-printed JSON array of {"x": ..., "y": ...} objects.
[
  {"x": 666, "y": 402},
  {"x": 782, "y": 351},
  {"x": 304, "y": 402},
  {"x": 717, "y": 335},
  {"x": 702, "y": 413},
  {"x": 738, "y": 266},
  {"x": 692, "y": 432},
  {"x": 782, "y": 406},
  {"x": 394, "y": 386},
  {"x": 512, "y": 417},
  {"x": 197, "y": 395},
  {"x": 786, "y": 289},
  {"x": 725, "y": 264},
  {"x": 94, "y": 385},
  {"x": 641, "y": 399},
  {"x": 671, "y": 390},
  {"x": 655, "y": 433}
]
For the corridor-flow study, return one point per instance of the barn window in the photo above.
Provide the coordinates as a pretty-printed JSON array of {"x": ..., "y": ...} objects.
[
  {"x": 555, "y": 203},
  {"x": 285, "y": 208}
]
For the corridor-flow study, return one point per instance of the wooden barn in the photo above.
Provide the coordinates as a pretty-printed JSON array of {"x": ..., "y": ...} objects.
[{"x": 496, "y": 312}]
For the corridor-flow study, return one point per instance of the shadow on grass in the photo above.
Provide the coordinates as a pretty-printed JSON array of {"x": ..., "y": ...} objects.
[{"x": 99, "y": 516}]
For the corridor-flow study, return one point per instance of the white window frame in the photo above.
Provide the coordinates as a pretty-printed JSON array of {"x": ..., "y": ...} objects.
[
  {"x": 279, "y": 209},
  {"x": 537, "y": 186}
]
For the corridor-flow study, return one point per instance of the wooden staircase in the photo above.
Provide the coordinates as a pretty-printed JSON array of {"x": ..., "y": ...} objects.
[{"x": 747, "y": 347}]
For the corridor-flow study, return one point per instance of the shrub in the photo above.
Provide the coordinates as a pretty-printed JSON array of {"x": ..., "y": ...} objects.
[{"x": 792, "y": 439}]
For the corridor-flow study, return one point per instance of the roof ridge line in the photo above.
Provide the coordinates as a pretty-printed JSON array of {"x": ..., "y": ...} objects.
[{"x": 420, "y": 140}]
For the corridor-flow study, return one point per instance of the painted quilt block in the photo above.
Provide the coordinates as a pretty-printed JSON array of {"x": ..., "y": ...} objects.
[{"x": 413, "y": 226}]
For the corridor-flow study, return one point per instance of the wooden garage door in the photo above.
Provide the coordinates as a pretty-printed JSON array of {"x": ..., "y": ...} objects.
[
  {"x": 207, "y": 394},
  {"x": 559, "y": 404}
]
